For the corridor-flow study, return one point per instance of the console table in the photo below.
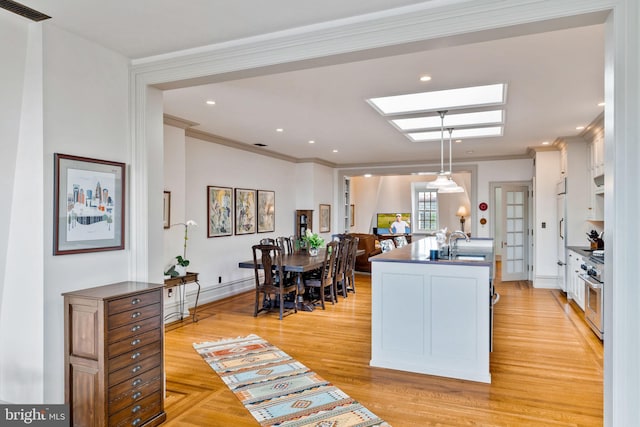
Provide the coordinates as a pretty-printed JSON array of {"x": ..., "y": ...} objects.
[{"x": 181, "y": 282}]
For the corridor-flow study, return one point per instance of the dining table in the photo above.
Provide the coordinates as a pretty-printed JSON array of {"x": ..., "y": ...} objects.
[{"x": 298, "y": 263}]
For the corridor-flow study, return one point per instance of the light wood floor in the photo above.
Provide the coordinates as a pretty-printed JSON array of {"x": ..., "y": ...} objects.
[{"x": 546, "y": 366}]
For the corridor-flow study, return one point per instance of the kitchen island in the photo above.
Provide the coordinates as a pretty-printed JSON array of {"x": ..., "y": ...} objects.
[{"x": 433, "y": 316}]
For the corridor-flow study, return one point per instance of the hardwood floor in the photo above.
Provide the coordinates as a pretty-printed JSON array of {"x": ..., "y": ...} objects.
[{"x": 547, "y": 365}]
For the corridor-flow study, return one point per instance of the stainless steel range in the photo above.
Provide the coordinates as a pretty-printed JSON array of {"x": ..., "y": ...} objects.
[{"x": 593, "y": 278}]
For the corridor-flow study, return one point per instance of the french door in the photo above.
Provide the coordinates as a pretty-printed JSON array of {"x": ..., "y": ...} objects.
[{"x": 514, "y": 232}]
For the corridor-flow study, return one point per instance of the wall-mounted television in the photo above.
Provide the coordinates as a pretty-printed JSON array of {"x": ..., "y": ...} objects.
[{"x": 385, "y": 220}]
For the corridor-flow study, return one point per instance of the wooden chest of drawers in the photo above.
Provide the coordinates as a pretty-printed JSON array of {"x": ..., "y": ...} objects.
[{"x": 114, "y": 355}]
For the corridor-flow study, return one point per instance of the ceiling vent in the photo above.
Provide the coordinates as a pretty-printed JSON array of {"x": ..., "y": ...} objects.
[
  {"x": 22, "y": 10},
  {"x": 259, "y": 144}
]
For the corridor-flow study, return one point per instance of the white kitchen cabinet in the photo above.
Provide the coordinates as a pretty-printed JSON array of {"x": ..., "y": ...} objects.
[{"x": 575, "y": 286}]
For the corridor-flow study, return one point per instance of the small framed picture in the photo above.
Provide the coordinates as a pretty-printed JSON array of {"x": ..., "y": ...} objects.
[
  {"x": 245, "y": 211},
  {"x": 89, "y": 205},
  {"x": 219, "y": 211},
  {"x": 325, "y": 218},
  {"x": 352, "y": 215},
  {"x": 166, "y": 209},
  {"x": 266, "y": 211}
]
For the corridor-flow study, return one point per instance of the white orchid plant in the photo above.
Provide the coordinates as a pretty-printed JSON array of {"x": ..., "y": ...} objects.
[{"x": 181, "y": 259}]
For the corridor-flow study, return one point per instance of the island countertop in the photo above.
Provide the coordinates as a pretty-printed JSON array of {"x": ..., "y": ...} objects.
[{"x": 418, "y": 252}]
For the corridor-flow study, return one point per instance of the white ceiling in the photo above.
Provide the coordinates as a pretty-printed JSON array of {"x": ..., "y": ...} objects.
[{"x": 555, "y": 79}]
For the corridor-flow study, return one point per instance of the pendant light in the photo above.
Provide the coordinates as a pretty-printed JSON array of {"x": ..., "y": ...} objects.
[
  {"x": 442, "y": 178},
  {"x": 452, "y": 187}
]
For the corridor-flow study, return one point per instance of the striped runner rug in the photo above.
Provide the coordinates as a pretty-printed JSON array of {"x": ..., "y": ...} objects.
[{"x": 280, "y": 391}]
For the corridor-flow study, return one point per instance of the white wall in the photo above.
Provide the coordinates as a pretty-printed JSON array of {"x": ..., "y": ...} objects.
[
  {"x": 86, "y": 114},
  {"x": 21, "y": 228}
]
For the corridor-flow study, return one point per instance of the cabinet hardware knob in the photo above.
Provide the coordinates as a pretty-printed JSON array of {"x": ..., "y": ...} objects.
[
  {"x": 136, "y": 368},
  {"x": 135, "y": 328},
  {"x": 136, "y": 395},
  {"x": 136, "y": 314},
  {"x": 135, "y": 342},
  {"x": 135, "y": 301},
  {"x": 135, "y": 409},
  {"x": 135, "y": 355},
  {"x": 135, "y": 422},
  {"x": 136, "y": 382}
]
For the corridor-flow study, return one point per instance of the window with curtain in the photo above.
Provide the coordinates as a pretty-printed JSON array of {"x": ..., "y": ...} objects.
[{"x": 427, "y": 210}]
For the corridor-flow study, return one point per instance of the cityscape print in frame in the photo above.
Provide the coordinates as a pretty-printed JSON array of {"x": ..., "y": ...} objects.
[
  {"x": 89, "y": 205},
  {"x": 266, "y": 211},
  {"x": 219, "y": 208},
  {"x": 245, "y": 211}
]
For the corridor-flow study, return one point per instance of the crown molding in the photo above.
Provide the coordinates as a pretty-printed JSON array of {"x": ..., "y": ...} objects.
[{"x": 178, "y": 122}]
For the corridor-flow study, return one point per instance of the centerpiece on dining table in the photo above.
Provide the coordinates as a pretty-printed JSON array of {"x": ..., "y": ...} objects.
[{"x": 313, "y": 242}]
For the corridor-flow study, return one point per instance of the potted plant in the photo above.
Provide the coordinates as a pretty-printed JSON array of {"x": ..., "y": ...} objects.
[
  {"x": 179, "y": 268},
  {"x": 313, "y": 242}
]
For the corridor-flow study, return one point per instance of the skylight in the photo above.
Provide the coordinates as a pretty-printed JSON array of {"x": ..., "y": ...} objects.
[
  {"x": 441, "y": 100},
  {"x": 450, "y": 120},
  {"x": 457, "y": 133}
]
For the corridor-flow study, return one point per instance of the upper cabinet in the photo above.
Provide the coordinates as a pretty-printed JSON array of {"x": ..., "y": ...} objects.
[
  {"x": 597, "y": 155},
  {"x": 595, "y": 136}
]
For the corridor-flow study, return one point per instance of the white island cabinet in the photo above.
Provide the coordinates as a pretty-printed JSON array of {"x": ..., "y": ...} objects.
[{"x": 432, "y": 317}]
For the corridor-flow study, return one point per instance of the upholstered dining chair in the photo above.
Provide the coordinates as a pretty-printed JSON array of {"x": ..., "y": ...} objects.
[
  {"x": 400, "y": 241},
  {"x": 325, "y": 280},
  {"x": 271, "y": 280},
  {"x": 387, "y": 245}
]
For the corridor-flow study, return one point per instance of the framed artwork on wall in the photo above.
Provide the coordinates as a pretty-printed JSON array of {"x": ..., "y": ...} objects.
[
  {"x": 266, "y": 211},
  {"x": 245, "y": 211},
  {"x": 166, "y": 209},
  {"x": 89, "y": 205},
  {"x": 325, "y": 218},
  {"x": 219, "y": 207}
]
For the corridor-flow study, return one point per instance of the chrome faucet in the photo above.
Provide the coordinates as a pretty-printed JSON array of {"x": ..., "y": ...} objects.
[{"x": 453, "y": 249}]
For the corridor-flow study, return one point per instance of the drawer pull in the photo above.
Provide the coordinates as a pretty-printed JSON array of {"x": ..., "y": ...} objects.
[
  {"x": 136, "y": 395},
  {"x": 135, "y": 301},
  {"x": 135, "y": 328},
  {"x": 135, "y": 409},
  {"x": 136, "y": 383},
  {"x": 136, "y": 314},
  {"x": 135, "y": 422},
  {"x": 136, "y": 369},
  {"x": 135, "y": 355},
  {"x": 136, "y": 341}
]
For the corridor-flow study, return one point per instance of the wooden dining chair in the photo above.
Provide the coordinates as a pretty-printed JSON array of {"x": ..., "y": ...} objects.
[
  {"x": 326, "y": 278},
  {"x": 267, "y": 241},
  {"x": 339, "y": 283},
  {"x": 271, "y": 280},
  {"x": 350, "y": 270},
  {"x": 285, "y": 243}
]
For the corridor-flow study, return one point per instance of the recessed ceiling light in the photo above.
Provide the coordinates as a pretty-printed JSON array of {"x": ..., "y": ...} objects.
[
  {"x": 601, "y": 104},
  {"x": 545, "y": 142},
  {"x": 453, "y": 120},
  {"x": 311, "y": 141},
  {"x": 457, "y": 133},
  {"x": 211, "y": 102},
  {"x": 458, "y": 141},
  {"x": 470, "y": 152},
  {"x": 335, "y": 151},
  {"x": 367, "y": 175},
  {"x": 579, "y": 127},
  {"x": 279, "y": 130},
  {"x": 441, "y": 100},
  {"x": 425, "y": 78}
]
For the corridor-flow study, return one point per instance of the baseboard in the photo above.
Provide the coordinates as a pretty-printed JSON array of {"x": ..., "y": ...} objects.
[{"x": 546, "y": 282}]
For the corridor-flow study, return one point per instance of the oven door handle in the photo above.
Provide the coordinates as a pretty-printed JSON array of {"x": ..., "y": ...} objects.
[{"x": 590, "y": 282}]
